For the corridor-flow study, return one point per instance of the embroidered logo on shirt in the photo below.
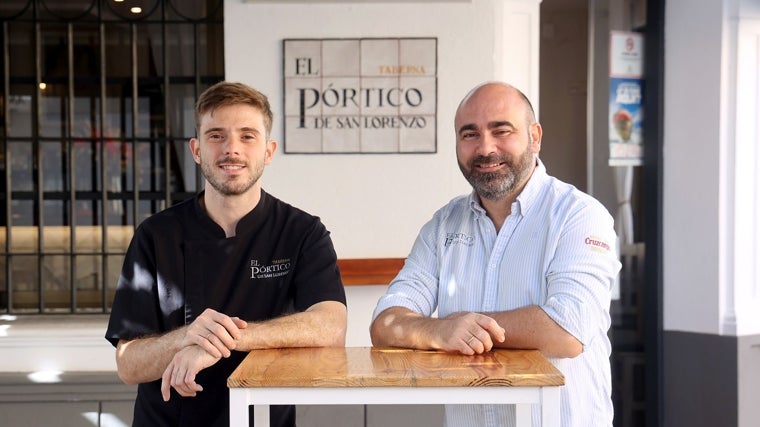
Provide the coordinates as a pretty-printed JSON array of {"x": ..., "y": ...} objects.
[
  {"x": 458, "y": 239},
  {"x": 276, "y": 268},
  {"x": 596, "y": 244}
]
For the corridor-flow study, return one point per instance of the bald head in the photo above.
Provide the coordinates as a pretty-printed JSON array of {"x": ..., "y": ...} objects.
[{"x": 494, "y": 92}]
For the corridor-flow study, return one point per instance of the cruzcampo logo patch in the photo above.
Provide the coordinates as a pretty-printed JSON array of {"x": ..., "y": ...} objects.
[
  {"x": 597, "y": 244},
  {"x": 268, "y": 270}
]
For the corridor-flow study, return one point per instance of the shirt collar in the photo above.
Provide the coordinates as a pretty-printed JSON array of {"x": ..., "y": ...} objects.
[
  {"x": 248, "y": 222},
  {"x": 528, "y": 196}
]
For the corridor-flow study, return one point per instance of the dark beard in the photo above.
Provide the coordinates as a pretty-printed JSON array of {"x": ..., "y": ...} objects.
[
  {"x": 496, "y": 185},
  {"x": 230, "y": 189}
]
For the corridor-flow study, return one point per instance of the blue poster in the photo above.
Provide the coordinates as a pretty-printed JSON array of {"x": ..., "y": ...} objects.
[
  {"x": 626, "y": 96},
  {"x": 626, "y": 117}
]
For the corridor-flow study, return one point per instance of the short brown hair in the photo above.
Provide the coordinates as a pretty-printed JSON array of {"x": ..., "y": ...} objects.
[{"x": 230, "y": 93}]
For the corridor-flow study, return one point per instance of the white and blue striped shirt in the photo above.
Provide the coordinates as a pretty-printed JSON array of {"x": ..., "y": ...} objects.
[{"x": 557, "y": 250}]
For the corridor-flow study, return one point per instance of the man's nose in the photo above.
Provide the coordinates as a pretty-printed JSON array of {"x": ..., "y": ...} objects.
[
  {"x": 234, "y": 145},
  {"x": 487, "y": 145}
]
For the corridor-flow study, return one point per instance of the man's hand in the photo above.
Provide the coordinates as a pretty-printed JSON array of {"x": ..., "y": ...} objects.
[
  {"x": 214, "y": 332},
  {"x": 467, "y": 333},
  {"x": 181, "y": 372},
  {"x": 464, "y": 332}
]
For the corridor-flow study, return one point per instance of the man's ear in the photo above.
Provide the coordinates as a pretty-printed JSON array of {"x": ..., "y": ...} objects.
[
  {"x": 270, "y": 150},
  {"x": 195, "y": 149},
  {"x": 535, "y": 134}
]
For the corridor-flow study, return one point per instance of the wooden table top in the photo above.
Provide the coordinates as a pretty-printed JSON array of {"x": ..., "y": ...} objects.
[{"x": 392, "y": 367}]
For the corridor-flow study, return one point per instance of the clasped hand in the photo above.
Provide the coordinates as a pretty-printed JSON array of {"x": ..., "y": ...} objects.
[
  {"x": 211, "y": 336},
  {"x": 468, "y": 333}
]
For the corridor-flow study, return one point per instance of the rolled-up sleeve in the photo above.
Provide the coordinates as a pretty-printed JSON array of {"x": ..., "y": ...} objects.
[
  {"x": 416, "y": 285},
  {"x": 581, "y": 273}
]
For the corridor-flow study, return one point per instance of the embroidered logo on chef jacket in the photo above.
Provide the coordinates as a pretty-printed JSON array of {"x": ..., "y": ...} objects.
[
  {"x": 597, "y": 244},
  {"x": 458, "y": 239},
  {"x": 268, "y": 270}
]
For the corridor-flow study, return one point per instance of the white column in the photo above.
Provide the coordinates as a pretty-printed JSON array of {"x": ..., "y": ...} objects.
[
  {"x": 742, "y": 287},
  {"x": 711, "y": 179},
  {"x": 516, "y": 45}
]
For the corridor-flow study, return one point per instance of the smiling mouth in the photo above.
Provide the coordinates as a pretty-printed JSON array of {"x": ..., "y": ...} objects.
[
  {"x": 489, "y": 165},
  {"x": 231, "y": 163}
]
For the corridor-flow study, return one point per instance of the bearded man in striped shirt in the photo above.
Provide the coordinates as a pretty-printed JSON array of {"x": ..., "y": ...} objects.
[{"x": 524, "y": 261}]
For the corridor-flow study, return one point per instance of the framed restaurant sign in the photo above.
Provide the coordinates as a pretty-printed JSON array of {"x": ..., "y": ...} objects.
[{"x": 363, "y": 95}]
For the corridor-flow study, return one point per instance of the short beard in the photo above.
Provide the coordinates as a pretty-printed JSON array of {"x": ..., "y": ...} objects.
[
  {"x": 497, "y": 185},
  {"x": 231, "y": 188}
]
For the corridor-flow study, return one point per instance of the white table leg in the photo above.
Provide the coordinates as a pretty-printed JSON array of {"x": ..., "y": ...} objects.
[
  {"x": 522, "y": 414},
  {"x": 550, "y": 406},
  {"x": 261, "y": 415},
  {"x": 238, "y": 408}
]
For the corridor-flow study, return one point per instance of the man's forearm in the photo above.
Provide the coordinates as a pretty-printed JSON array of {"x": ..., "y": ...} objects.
[
  {"x": 400, "y": 327},
  {"x": 322, "y": 325},
  {"x": 530, "y": 327},
  {"x": 463, "y": 332},
  {"x": 144, "y": 359}
]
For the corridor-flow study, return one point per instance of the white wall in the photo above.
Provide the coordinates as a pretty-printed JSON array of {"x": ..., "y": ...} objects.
[
  {"x": 711, "y": 204},
  {"x": 76, "y": 343},
  {"x": 691, "y": 156},
  {"x": 374, "y": 205},
  {"x": 55, "y": 344}
]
